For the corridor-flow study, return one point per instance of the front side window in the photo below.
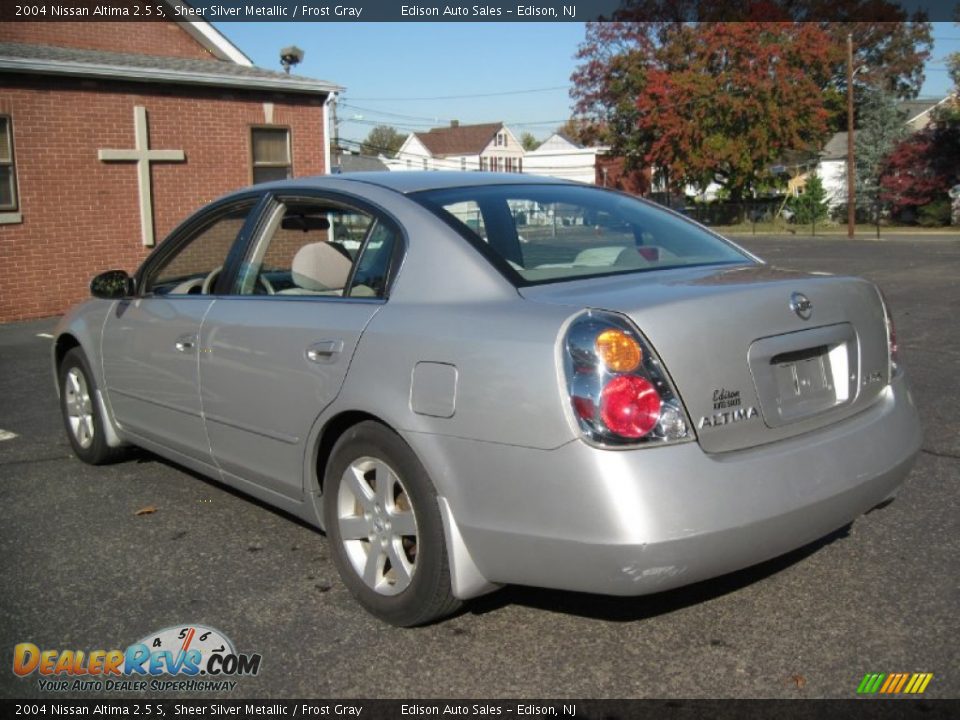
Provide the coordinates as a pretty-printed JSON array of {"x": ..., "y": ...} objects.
[
  {"x": 313, "y": 248},
  {"x": 194, "y": 267},
  {"x": 548, "y": 233},
  {"x": 271, "y": 154},
  {"x": 8, "y": 171}
]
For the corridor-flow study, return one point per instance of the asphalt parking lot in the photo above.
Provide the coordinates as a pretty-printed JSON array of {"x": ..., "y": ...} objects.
[{"x": 82, "y": 570}]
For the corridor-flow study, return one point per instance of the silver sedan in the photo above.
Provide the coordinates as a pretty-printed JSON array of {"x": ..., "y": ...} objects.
[{"x": 468, "y": 380}]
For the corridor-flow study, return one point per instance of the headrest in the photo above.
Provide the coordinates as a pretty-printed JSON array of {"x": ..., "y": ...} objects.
[{"x": 320, "y": 266}]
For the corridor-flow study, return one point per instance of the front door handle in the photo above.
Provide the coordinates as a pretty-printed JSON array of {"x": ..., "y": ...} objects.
[
  {"x": 324, "y": 351},
  {"x": 185, "y": 343}
]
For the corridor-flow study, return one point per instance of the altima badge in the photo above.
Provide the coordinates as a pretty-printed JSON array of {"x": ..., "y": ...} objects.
[
  {"x": 801, "y": 305},
  {"x": 725, "y": 418}
]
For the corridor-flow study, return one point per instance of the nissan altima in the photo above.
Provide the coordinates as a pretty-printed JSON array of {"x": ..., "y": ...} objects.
[{"x": 470, "y": 380}]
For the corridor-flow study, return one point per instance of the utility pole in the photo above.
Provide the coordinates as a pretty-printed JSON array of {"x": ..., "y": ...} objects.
[
  {"x": 851, "y": 168},
  {"x": 336, "y": 130}
]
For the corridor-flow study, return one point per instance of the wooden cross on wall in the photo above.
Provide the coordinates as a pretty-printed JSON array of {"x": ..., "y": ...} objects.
[{"x": 142, "y": 155}]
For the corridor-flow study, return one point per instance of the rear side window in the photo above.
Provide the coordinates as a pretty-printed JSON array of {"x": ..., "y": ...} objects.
[
  {"x": 549, "y": 233},
  {"x": 313, "y": 248}
]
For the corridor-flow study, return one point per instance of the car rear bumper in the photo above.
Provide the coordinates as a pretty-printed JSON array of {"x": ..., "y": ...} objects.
[{"x": 641, "y": 521}]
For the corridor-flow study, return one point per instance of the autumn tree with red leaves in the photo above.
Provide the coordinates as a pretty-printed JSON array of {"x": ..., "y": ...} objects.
[
  {"x": 710, "y": 92},
  {"x": 924, "y": 166},
  {"x": 713, "y": 102}
]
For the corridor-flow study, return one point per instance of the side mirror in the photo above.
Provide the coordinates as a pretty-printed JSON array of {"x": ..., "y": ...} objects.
[{"x": 111, "y": 285}]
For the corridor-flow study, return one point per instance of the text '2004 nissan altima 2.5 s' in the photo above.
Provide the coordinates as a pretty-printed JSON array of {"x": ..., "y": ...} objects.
[{"x": 469, "y": 380}]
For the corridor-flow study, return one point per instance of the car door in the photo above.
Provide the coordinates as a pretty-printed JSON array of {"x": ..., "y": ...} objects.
[
  {"x": 150, "y": 341},
  {"x": 276, "y": 351}
]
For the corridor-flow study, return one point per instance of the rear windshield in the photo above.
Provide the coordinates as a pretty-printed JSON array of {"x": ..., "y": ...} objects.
[{"x": 546, "y": 233}]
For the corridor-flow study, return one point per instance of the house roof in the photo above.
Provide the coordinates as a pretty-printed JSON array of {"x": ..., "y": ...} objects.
[
  {"x": 459, "y": 140},
  {"x": 836, "y": 147},
  {"x": 51, "y": 60},
  {"x": 568, "y": 139},
  {"x": 207, "y": 35},
  {"x": 915, "y": 108}
]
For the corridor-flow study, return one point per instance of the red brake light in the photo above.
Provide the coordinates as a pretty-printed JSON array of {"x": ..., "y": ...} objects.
[{"x": 630, "y": 406}]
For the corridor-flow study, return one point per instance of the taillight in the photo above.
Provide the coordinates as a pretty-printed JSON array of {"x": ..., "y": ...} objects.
[
  {"x": 892, "y": 350},
  {"x": 619, "y": 391},
  {"x": 630, "y": 406}
]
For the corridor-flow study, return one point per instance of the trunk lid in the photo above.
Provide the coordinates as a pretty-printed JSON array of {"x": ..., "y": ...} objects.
[{"x": 749, "y": 368}]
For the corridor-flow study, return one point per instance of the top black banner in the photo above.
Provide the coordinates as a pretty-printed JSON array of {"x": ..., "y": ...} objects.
[{"x": 488, "y": 11}]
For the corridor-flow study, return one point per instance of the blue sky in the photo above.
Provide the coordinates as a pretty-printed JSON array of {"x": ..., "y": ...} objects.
[{"x": 390, "y": 69}]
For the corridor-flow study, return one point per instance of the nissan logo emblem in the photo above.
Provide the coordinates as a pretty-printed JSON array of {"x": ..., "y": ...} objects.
[{"x": 801, "y": 305}]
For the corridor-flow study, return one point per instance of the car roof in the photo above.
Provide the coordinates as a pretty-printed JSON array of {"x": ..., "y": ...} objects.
[{"x": 415, "y": 180}]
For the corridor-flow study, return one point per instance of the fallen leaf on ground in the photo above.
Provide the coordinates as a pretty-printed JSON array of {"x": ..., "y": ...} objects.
[{"x": 148, "y": 510}]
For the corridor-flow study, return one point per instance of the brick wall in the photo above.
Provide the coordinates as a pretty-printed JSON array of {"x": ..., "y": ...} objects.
[
  {"x": 80, "y": 215},
  {"x": 145, "y": 38}
]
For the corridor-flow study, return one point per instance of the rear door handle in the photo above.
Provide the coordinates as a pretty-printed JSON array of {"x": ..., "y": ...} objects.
[
  {"x": 185, "y": 343},
  {"x": 324, "y": 351}
]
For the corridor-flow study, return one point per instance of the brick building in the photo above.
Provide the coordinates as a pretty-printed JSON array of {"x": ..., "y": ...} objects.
[{"x": 112, "y": 133}]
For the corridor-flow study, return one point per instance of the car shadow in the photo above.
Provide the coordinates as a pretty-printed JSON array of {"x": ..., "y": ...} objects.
[
  {"x": 142, "y": 457},
  {"x": 631, "y": 609}
]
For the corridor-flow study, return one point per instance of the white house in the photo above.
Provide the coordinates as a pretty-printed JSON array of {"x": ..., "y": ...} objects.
[
  {"x": 490, "y": 146},
  {"x": 832, "y": 168},
  {"x": 560, "y": 157}
]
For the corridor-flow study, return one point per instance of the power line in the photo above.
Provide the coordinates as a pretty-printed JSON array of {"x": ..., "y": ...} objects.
[{"x": 391, "y": 114}]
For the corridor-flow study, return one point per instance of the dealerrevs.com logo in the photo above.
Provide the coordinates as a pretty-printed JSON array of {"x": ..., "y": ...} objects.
[{"x": 180, "y": 658}]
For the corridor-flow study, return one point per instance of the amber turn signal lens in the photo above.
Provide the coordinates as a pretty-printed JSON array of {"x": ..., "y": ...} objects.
[{"x": 619, "y": 351}]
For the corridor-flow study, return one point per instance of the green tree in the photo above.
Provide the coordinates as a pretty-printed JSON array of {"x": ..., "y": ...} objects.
[
  {"x": 581, "y": 131},
  {"x": 382, "y": 140},
  {"x": 529, "y": 142},
  {"x": 881, "y": 129},
  {"x": 811, "y": 207}
]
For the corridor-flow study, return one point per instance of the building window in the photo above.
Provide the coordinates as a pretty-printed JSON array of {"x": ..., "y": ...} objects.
[
  {"x": 519, "y": 165},
  {"x": 8, "y": 170},
  {"x": 501, "y": 140},
  {"x": 463, "y": 163},
  {"x": 483, "y": 164},
  {"x": 271, "y": 154},
  {"x": 424, "y": 163}
]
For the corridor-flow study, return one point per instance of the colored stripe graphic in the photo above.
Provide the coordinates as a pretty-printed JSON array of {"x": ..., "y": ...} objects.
[
  {"x": 894, "y": 683},
  {"x": 871, "y": 683}
]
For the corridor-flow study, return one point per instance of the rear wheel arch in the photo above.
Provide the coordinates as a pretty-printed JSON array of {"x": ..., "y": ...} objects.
[{"x": 332, "y": 431}]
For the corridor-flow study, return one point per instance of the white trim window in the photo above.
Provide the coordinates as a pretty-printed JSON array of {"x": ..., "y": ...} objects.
[
  {"x": 271, "y": 156},
  {"x": 9, "y": 200}
]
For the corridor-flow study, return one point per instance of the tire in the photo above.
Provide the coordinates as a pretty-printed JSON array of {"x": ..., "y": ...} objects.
[
  {"x": 81, "y": 411},
  {"x": 388, "y": 546}
]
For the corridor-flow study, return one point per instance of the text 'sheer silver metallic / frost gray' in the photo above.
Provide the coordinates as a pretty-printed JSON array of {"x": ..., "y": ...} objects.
[{"x": 469, "y": 380}]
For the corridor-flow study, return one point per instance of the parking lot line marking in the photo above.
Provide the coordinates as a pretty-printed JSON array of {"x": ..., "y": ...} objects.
[
  {"x": 48, "y": 336},
  {"x": 7, "y": 435}
]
